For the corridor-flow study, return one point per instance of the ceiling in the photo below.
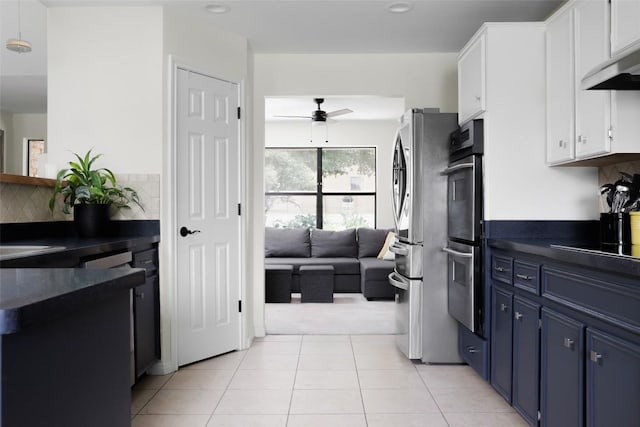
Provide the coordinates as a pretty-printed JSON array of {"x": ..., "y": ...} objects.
[{"x": 281, "y": 26}]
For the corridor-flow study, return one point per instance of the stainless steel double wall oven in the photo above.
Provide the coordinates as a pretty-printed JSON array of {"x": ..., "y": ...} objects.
[{"x": 464, "y": 225}]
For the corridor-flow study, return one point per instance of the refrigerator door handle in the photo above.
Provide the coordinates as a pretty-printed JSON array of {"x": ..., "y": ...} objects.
[
  {"x": 398, "y": 250},
  {"x": 456, "y": 253},
  {"x": 397, "y": 283}
]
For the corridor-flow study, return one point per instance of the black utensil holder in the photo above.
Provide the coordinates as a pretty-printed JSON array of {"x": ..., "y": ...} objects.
[{"x": 615, "y": 229}]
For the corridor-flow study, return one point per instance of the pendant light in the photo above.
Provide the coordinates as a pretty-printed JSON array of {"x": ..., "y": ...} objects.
[{"x": 19, "y": 45}]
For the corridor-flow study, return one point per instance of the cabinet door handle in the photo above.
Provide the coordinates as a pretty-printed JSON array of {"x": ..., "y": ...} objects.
[
  {"x": 499, "y": 269},
  {"x": 518, "y": 316},
  {"x": 471, "y": 349},
  {"x": 504, "y": 307},
  {"x": 140, "y": 295},
  {"x": 524, "y": 277},
  {"x": 478, "y": 98},
  {"x": 569, "y": 343},
  {"x": 595, "y": 356},
  {"x": 561, "y": 143}
]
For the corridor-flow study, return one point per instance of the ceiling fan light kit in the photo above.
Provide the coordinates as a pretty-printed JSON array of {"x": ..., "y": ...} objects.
[
  {"x": 19, "y": 45},
  {"x": 217, "y": 8},
  {"x": 400, "y": 7},
  {"x": 319, "y": 120}
]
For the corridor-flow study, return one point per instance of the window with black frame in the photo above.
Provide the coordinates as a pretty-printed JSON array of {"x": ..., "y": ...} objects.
[{"x": 330, "y": 188}]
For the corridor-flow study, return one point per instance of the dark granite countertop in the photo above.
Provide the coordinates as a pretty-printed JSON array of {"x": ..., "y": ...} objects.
[
  {"x": 74, "y": 249},
  {"x": 606, "y": 262},
  {"x": 32, "y": 296}
]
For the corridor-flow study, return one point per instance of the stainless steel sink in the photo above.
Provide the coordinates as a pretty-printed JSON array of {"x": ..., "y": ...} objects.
[{"x": 17, "y": 251}]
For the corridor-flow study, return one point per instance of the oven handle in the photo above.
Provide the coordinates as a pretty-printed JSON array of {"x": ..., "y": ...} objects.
[
  {"x": 397, "y": 283},
  {"x": 398, "y": 250},
  {"x": 455, "y": 168},
  {"x": 456, "y": 253}
]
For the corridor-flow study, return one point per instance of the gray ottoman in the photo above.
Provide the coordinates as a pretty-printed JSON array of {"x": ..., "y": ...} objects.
[
  {"x": 316, "y": 283},
  {"x": 277, "y": 283}
]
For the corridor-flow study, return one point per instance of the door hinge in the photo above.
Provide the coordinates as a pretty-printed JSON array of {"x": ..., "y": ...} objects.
[
  {"x": 238, "y": 113},
  {"x": 539, "y": 416},
  {"x": 239, "y": 306},
  {"x": 239, "y": 209},
  {"x": 610, "y": 133}
]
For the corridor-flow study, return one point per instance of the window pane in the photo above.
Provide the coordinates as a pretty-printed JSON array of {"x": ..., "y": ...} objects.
[
  {"x": 290, "y": 211},
  {"x": 342, "y": 212},
  {"x": 349, "y": 169},
  {"x": 290, "y": 169}
]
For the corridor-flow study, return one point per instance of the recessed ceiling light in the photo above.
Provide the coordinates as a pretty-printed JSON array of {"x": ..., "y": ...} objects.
[
  {"x": 217, "y": 8},
  {"x": 400, "y": 7}
]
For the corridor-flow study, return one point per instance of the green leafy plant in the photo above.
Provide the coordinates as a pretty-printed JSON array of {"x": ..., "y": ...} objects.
[{"x": 81, "y": 184}]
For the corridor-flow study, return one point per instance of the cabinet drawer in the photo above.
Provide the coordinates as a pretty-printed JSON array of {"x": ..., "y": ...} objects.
[
  {"x": 501, "y": 268},
  {"x": 526, "y": 276},
  {"x": 473, "y": 349},
  {"x": 146, "y": 259},
  {"x": 613, "y": 302}
]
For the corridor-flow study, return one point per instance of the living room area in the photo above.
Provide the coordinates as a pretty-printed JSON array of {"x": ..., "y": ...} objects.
[{"x": 328, "y": 214}]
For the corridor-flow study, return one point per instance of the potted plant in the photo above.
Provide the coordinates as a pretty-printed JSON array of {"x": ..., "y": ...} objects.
[{"x": 91, "y": 193}]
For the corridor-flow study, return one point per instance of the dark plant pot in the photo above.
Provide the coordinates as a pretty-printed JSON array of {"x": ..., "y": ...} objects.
[{"x": 92, "y": 220}]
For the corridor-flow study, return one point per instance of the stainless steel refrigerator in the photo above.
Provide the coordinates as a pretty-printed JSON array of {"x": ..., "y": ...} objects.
[{"x": 425, "y": 330}]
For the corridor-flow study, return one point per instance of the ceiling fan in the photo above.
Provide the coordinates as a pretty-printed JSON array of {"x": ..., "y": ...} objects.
[{"x": 319, "y": 115}]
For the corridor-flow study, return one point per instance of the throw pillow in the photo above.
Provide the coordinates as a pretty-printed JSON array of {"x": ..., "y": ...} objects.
[
  {"x": 286, "y": 242},
  {"x": 370, "y": 241},
  {"x": 385, "y": 253},
  {"x": 328, "y": 244}
]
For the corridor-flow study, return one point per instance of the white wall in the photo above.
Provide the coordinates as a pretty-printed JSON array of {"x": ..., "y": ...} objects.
[
  {"x": 423, "y": 80},
  {"x": 16, "y": 128},
  {"x": 367, "y": 133},
  {"x": 105, "y": 85}
]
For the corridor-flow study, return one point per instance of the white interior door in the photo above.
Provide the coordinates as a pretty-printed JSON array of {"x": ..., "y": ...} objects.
[{"x": 208, "y": 194}]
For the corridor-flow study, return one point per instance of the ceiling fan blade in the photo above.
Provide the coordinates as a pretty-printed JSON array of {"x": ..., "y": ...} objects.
[
  {"x": 339, "y": 112},
  {"x": 294, "y": 117}
]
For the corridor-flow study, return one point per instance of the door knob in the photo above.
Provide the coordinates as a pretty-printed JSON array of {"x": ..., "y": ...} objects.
[{"x": 184, "y": 231}]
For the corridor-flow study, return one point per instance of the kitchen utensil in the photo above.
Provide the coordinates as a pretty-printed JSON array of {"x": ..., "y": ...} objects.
[
  {"x": 606, "y": 191},
  {"x": 622, "y": 196}
]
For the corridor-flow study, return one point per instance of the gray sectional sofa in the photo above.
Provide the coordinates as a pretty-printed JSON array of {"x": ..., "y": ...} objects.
[{"x": 353, "y": 255}]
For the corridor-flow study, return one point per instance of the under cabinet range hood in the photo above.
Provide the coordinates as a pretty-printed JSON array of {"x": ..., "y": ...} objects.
[{"x": 622, "y": 72}]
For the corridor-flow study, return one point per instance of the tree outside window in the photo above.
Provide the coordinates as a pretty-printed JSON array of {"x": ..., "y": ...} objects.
[{"x": 330, "y": 188}]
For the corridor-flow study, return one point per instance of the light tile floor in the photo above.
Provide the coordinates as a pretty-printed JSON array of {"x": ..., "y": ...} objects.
[{"x": 318, "y": 381}]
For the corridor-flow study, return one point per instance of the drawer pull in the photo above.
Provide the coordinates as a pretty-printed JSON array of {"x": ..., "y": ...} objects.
[
  {"x": 499, "y": 269},
  {"x": 569, "y": 343},
  {"x": 518, "y": 316},
  {"x": 149, "y": 261},
  {"x": 595, "y": 356},
  {"x": 504, "y": 307},
  {"x": 471, "y": 349},
  {"x": 524, "y": 277}
]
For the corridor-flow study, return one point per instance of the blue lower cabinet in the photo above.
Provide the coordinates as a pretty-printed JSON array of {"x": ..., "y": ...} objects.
[
  {"x": 562, "y": 371},
  {"x": 526, "y": 358},
  {"x": 613, "y": 381},
  {"x": 501, "y": 340}
]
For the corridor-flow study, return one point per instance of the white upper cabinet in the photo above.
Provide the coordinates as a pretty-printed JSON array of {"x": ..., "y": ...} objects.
[
  {"x": 560, "y": 88},
  {"x": 472, "y": 80},
  {"x": 587, "y": 127},
  {"x": 625, "y": 24},
  {"x": 593, "y": 107}
]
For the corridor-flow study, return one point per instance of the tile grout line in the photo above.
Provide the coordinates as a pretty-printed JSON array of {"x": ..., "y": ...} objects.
[
  {"x": 355, "y": 364},
  {"x": 227, "y": 387},
  {"x": 295, "y": 376}
]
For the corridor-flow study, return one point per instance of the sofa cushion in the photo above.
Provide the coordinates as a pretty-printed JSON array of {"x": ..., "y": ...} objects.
[
  {"x": 326, "y": 243},
  {"x": 375, "y": 269},
  {"x": 370, "y": 241},
  {"x": 287, "y": 242},
  {"x": 342, "y": 266}
]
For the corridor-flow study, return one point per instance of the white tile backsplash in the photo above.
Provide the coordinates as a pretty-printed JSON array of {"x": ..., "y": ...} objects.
[{"x": 30, "y": 203}]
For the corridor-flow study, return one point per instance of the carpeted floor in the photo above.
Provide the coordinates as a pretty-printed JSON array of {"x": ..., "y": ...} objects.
[{"x": 348, "y": 314}]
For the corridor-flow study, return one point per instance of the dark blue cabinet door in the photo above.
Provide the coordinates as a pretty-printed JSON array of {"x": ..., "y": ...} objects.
[
  {"x": 562, "y": 371},
  {"x": 613, "y": 381},
  {"x": 501, "y": 341},
  {"x": 526, "y": 358}
]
